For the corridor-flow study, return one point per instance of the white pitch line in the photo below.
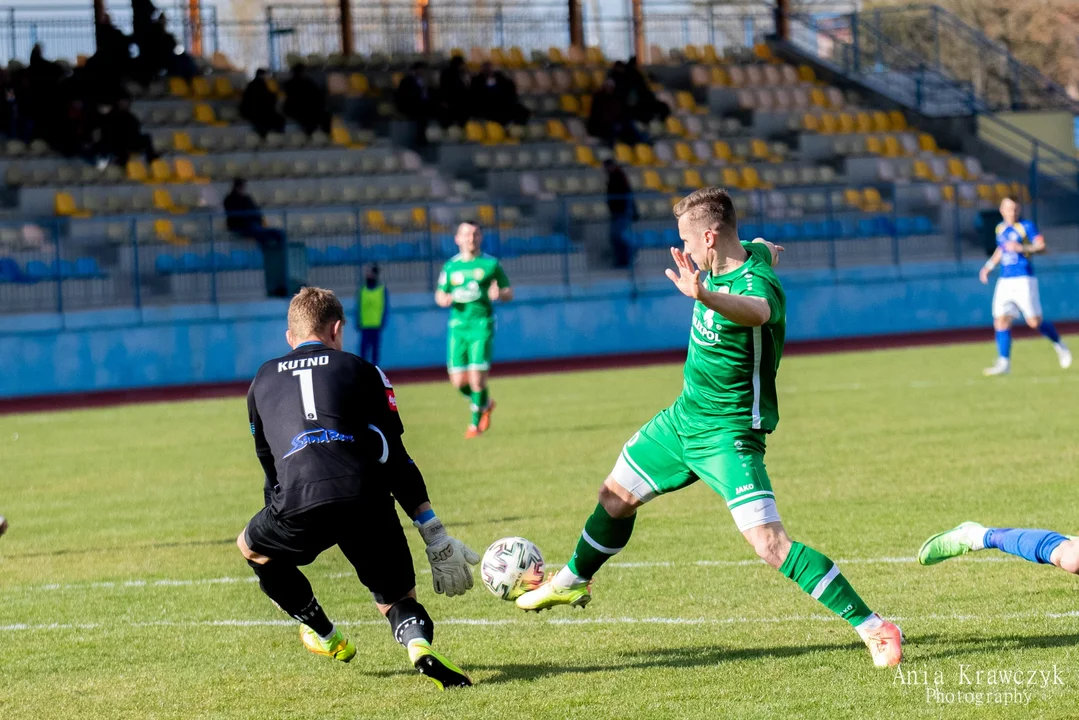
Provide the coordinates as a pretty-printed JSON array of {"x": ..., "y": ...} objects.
[
  {"x": 484, "y": 622},
  {"x": 173, "y": 583}
]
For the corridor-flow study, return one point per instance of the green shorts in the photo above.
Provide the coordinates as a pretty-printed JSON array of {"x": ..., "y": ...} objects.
[
  {"x": 469, "y": 349},
  {"x": 662, "y": 458}
]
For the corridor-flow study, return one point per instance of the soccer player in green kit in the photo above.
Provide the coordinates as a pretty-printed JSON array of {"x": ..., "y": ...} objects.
[
  {"x": 715, "y": 431},
  {"x": 470, "y": 282}
]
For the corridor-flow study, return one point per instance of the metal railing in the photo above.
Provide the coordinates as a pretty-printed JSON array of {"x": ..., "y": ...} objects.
[{"x": 57, "y": 265}]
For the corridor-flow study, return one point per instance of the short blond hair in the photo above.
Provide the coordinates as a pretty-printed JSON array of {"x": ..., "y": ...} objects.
[
  {"x": 312, "y": 310},
  {"x": 710, "y": 207}
]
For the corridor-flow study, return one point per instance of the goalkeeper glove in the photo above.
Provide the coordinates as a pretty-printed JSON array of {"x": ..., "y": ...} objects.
[{"x": 449, "y": 557}]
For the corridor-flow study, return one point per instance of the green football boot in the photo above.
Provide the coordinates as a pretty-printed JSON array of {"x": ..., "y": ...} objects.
[
  {"x": 436, "y": 668},
  {"x": 951, "y": 543},
  {"x": 337, "y": 647},
  {"x": 546, "y": 596}
]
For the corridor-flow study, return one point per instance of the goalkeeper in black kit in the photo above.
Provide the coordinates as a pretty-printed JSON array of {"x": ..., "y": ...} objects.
[{"x": 328, "y": 435}]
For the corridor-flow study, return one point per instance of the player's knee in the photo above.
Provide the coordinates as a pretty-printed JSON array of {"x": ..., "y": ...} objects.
[
  {"x": 770, "y": 542},
  {"x": 1002, "y": 323},
  {"x": 1069, "y": 557},
  {"x": 1034, "y": 322},
  {"x": 617, "y": 504},
  {"x": 250, "y": 555}
]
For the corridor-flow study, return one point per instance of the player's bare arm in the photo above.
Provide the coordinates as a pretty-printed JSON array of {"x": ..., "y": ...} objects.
[
  {"x": 741, "y": 309},
  {"x": 775, "y": 249},
  {"x": 989, "y": 266},
  {"x": 499, "y": 294},
  {"x": 1036, "y": 247},
  {"x": 443, "y": 299}
]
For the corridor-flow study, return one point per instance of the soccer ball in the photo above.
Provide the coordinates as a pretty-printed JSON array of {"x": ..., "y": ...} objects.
[{"x": 511, "y": 567}]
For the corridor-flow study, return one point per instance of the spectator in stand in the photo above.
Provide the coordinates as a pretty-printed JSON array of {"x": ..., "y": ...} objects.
[
  {"x": 165, "y": 54},
  {"x": 122, "y": 135},
  {"x": 414, "y": 100},
  {"x": 243, "y": 217},
  {"x": 76, "y": 139},
  {"x": 623, "y": 209},
  {"x": 306, "y": 101},
  {"x": 453, "y": 85},
  {"x": 259, "y": 106},
  {"x": 372, "y": 309},
  {"x": 494, "y": 97},
  {"x": 641, "y": 103},
  {"x": 609, "y": 120},
  {"x": 113, "y": 56}
]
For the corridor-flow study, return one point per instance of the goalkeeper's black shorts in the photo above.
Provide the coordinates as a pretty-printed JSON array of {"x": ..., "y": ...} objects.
[{"x": 367, "y": 531}]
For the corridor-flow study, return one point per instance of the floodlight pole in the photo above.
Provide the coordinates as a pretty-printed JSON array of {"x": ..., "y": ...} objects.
[
  {"x": 423, "y": 10},
  {"x": 576, "y": 28},
  {"x": 99, "y": 11},
  {"x": 638, "y": 31},
  {"x": 346, "y": 28},
  {"x": 783, "y": 9},
  {"x": 194, "y": 19}
]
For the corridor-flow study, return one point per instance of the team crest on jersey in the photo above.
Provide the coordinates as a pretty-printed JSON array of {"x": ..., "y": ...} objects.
[
  {"x": 478, "y": 273},
  {"x": 723, "y": 290},
  {"x": 457, "y": 278},
  {"x": 391, "y": 398}
]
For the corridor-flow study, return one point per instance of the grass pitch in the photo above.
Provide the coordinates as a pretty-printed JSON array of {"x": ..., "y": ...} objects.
[{"x": 123, "y": 596}]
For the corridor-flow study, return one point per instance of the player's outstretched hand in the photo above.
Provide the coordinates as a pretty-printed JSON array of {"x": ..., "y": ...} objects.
[
  {"x": 687, "y": 278},
  {"x": 775, "y": 249},
  {"x": 983, "y": 275},
  {"x": 451, "y": 559}
]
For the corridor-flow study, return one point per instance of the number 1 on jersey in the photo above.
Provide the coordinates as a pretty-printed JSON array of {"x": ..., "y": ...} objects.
[{"x": 307, "y": 393}]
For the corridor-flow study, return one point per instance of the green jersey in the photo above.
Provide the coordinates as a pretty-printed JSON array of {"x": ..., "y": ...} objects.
[
  {"x": 730, "y": 372},
  {"x": 467, "y": 283}
]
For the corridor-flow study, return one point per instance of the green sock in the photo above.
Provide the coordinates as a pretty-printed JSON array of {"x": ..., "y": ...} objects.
[
  {"x": 603, "y": 537},
  {"x": 466, "y": 391},
  {"x": 477, "y": 405},
  {"x": 484, "y": 399},
  {"x": 820, "y": 578}
]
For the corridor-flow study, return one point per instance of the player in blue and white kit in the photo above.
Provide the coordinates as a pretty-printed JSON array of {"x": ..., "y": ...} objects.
[{"x": 1016, "y": 292}]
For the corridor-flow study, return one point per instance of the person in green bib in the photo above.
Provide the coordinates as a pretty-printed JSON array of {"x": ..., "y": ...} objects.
[
  {"x": 372, "y": 309},
  {"x": 469, "y": 284}
]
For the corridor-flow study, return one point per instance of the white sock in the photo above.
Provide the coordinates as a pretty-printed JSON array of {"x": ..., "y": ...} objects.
[
  {"x": 976, "y": 537},
  {"x": 565, "y": 578},
  {"x": 326, "y": 638},
  {"x": 871, "y": 623}
]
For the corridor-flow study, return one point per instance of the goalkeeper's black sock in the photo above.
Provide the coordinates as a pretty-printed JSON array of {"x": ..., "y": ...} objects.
[
  {"x": 289, "y": 588},
  {"x": 409, "y": 621}
]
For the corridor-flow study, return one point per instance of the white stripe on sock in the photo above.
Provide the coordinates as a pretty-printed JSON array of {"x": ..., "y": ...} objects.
[
  {"x": 603, "y": 549},
  {"x": 825, "y": 582}
]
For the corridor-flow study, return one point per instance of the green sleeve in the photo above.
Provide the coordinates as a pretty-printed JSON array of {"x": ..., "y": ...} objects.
[
  {"x": 760, "y": 250},
  {"x": 765, "y": 287},
  {"x": 500, "y": 276},
  {"x": 444, "y": 280}
]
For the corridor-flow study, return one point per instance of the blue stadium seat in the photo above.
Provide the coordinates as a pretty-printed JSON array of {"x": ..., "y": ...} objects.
[
  {"x": 239, "y": 260},
  {"x": 769, "y": 231},
  {"x": 66, "y": 269},
  {"x": 848, "y": 228},
  {"x": 513, "y": 246},
  {"x": 380, "y": 252},
  {"x": 923, "y": 225},
  {"x": 833, "y": 229},
  {"x": 405, "y": 251},
  {"x": 868, "y": 227},
  {"x": 315, "y": 257},
  {"x": 87, "y": 267},
  {"x": 790, "y": 231},
  {"x": 10, "y": 272},
  {"x": 220, "y": 261},
  {"x": 813, "y": 230},
  {"x": 671, "y": 239},
  {"x": 165, "y": 264},
  {"x": 38, "y": 270},
  {"x": 749, "y": 231},
  {"x": 904, "y": 226},
  {"x": 354, "y": 254},
  {"x": 335, "y": 256},
  {"x": 647, "y": 239},
  {"x": 190, "y": 262},
  {"x": 447, "y": 246}
]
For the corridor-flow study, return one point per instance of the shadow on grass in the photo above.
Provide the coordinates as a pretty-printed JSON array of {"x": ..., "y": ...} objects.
[
  {"x": 669, "y": 658},
  {"x": 938, "y": 646},
  {"x": 124, "y": 549}
]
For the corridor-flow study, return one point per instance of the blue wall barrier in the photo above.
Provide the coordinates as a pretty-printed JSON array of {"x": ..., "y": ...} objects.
[{"x": 119, "y": 349}]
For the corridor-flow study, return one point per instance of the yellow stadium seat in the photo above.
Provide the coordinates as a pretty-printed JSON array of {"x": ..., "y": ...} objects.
[
  {"x": 205, "y": 114},
  {"x": 473, "y": 131},
  {"x": 556, "y": 130},
  {"x": 811, "y": 122},
  {"x": 872, "y": 201},
  {"x": 496, "y": 134},
  {"x": 585, "y": 156},
  {"x": 881, "y": 122},
  {"x": 922, "y": 171},
  {"x": 846, "y": 123},
  {"x": 708, "y": 54},
  {"x": 358, "y": 83},
  {"x": 759, "y": 149},
  {"x": 1001, "y": 191},
  {"x": 873, "y": 145},
  {"x": 731, "y": 178},
  {"x": 721, "y": 150},
  {"x": 556, "y": 56},
  {"x": 863, "y": 123},
  {"x": 623, "y": 154},
  {"x": 985, "y": 193},
  {"x": 178, "y": 87},
  {"x": 498, "y": 59},
  {"x": 828, "y": 124},
  {"x": 927, "y": 142},
  {"x": 486, "y": 215},
  {"x": 692, "y": 179},
  {"x": 517, "y": 58},
  {"x": 200, "y": 87},
  {"x": 598, "y": 77},
  {"x": 418, "y": 215},
  {"x": 569, "y": 104},
  {"x": 339, "y": 135},
  {"x": 136, "y": 171},
  {"x": 181, "y": 142},
  {"x": 751, "y": 179},
  {"x": 892, "y": 148},
  {"x": 163, "y": 201},
  {"x": 947, "y": 193},
  {"x": 685, "y": 101},
  {"x": 692, "y": 54},
  {"x": 852, "y": 198},
  {"x": 684, "y": 153},
  {"x": 762, "y": 51},
  {"x": 160, "y": 171},
  {"x": 643, "y": 155},
  {"x": 185, "y": 172},
  {"x": 720, "y": 78},
  {"x": 65, "y": 206},
  {"x": 582, "y": 81},
  {"x": 956, "y": 168},
  {"x": 375, "y": 220},
  {"x": 586, "y": 105},
  {"x": 818, "y": 98},
  {"x": 652, "y": 181},
  {"x": 223, "y": 87},
  {"x": 594, "y": 56},
  {"x": 898, "y": 121},
  {"x": 806, "y": 74},
  {"x": 674, "y": 126}
]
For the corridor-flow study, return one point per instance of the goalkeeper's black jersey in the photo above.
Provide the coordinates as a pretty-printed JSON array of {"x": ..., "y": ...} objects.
[{"x": 314, "y": 414}]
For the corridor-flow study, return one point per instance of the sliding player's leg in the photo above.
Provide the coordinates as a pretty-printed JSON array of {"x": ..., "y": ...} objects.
[
  {"x": 275, "y": 548},
  {"x": 650, "y": 464},
  {"x": 1038, "y": 546},
  {"x": 732, "y": 464}
]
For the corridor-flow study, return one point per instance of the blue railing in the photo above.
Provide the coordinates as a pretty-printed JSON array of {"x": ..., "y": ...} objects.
[{"x": 59, "y": 265}]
